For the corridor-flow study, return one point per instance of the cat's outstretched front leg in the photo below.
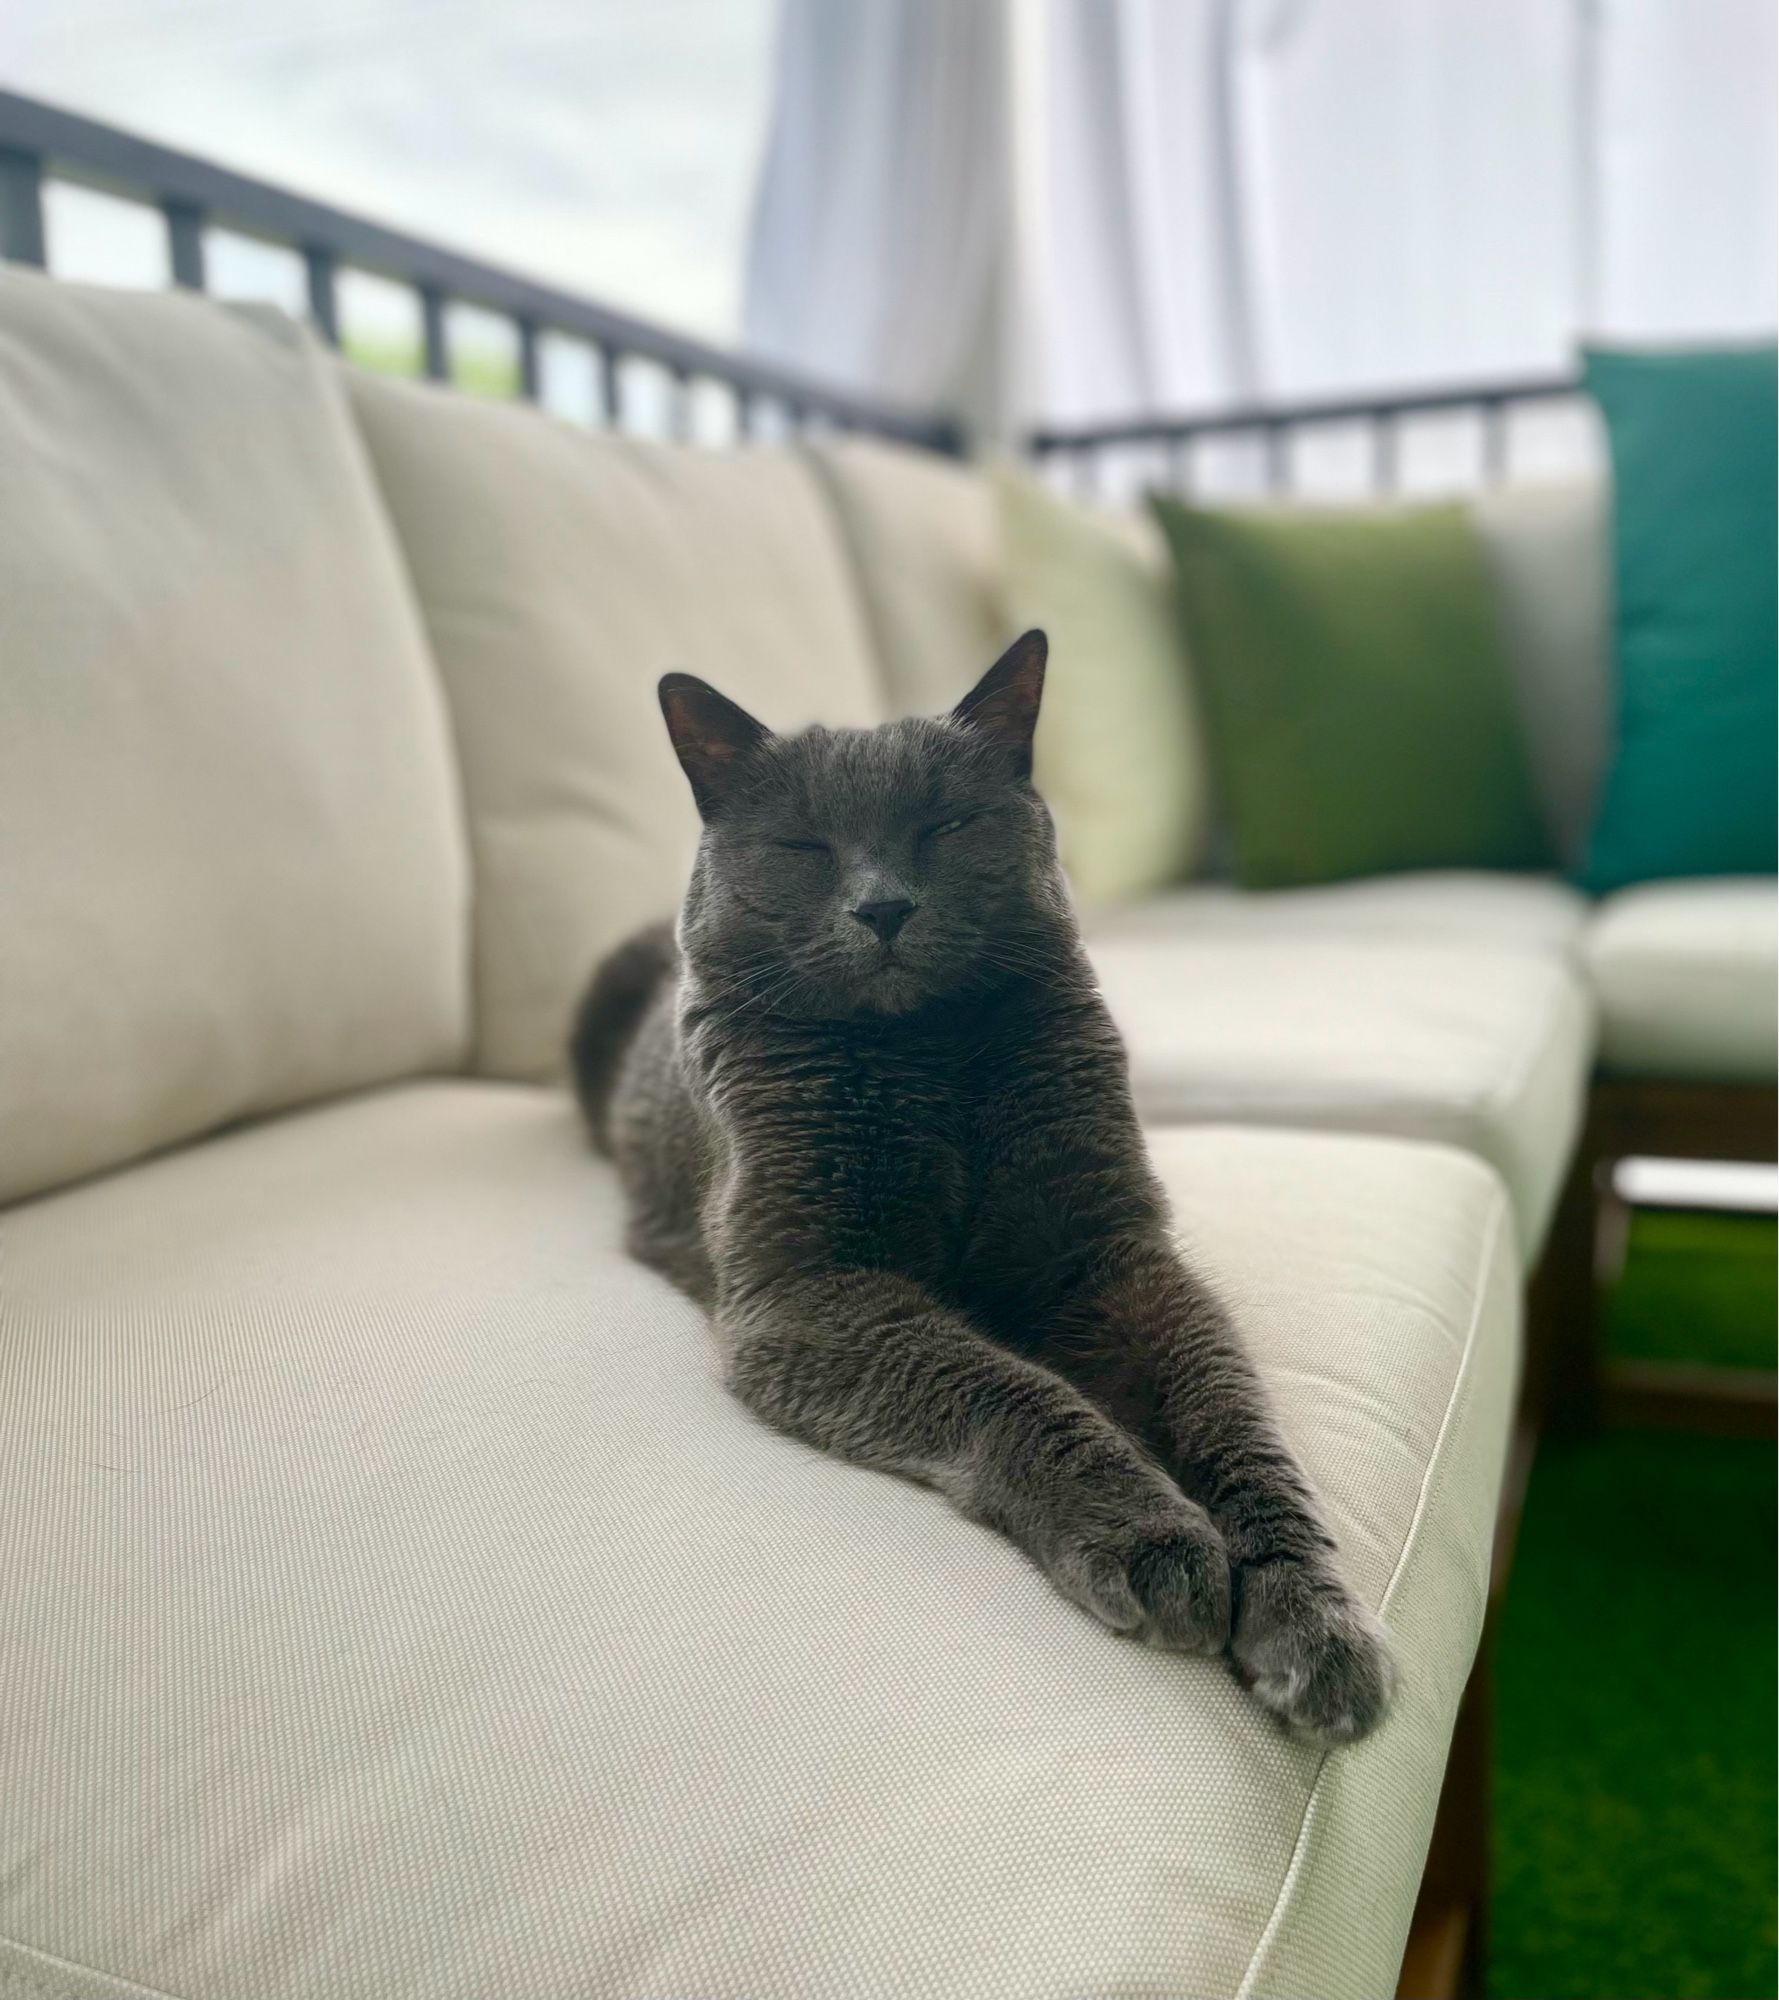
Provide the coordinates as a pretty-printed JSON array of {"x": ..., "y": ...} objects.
[
  {"x": 1300, "y": 1639},
  {"x": 870, "y": 1367}
]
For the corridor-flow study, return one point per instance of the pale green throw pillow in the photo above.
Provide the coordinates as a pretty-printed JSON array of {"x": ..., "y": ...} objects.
[{"x": 1119, "y": 754}]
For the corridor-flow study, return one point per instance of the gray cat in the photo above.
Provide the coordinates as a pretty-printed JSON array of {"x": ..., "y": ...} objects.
[{"x": 870, "y": 1112}]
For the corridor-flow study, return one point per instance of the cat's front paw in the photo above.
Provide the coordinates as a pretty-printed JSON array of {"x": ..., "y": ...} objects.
[
  {"x": 1311, "y": 1652},
  {"x": 1163, "y": 1575}
]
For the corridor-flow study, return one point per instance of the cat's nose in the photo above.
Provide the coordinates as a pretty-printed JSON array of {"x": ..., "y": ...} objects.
[{"x": 885, "y": 918}]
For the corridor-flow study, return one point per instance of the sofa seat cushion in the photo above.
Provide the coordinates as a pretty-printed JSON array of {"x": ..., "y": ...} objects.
[
  {"x": 397, "y": 1603},
  {"x": 561, "y": 573},
  {"x": 1431, "y": 905},
  {"x": 232, "y": 868},
  {"x": 1686, "y": 975},
  {"x": 1489, "y": 1050}
]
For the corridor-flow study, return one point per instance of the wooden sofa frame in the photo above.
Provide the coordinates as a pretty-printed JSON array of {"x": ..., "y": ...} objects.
[{"x": 1569, "y": 1387}]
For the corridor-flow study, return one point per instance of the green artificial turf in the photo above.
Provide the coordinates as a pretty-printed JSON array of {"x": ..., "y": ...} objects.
[
  {"x": 1635, "y": 1795},
  {"x": 1698, "y": 1288}
]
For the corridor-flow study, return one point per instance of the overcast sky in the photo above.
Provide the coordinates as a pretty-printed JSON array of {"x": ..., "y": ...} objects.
[{"x": 608, "y": 145}]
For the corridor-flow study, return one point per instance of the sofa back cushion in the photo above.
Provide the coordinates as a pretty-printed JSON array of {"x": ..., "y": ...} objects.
[
  {"x": 953, "y": 561},
  {"x": 232, "y": 871},
  {"x": 924, "y": 541},
  {"x": 561, "y": 573},
  {"x": 1547, "y": 549},
  {"x": 1119, "y": 754}
]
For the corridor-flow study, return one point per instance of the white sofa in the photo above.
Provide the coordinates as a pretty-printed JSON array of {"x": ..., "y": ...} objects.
[{"x": 392, "y": 1602}]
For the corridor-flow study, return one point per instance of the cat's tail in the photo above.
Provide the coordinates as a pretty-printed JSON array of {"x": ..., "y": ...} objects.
[{"x": 622, "y": 989}]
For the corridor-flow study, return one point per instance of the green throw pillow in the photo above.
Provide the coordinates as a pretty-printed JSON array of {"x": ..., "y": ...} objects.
[
  {"x": 1694, "y": 473},
  {"x": 1118, "y": 752},
  {"x": 1356, "y": 690}
]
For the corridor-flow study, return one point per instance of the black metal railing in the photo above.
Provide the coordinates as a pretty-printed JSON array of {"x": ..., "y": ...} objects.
[
  {"x": 41, "y": 145},
  {"x": 1174, "y": 445}
]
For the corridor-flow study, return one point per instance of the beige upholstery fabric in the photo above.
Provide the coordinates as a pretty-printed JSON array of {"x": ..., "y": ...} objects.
[
  {"x": 1534, "y": 912},
  {"x": 396, "y": 1604},
  {"x": 1548, "y": 549},
  {"x": 231, "y": 855},
  {"x": 1485, "y": 1049},
  {"x": 561, "y": 574},
  {"x": 923, "y": 539},
  {"x": 1119, "y": 753},
  {"x": 1686, "y": 975}
]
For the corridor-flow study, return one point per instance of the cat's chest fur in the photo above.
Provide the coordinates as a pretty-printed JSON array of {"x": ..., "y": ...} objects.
[{"x": 874, "y": 1141}]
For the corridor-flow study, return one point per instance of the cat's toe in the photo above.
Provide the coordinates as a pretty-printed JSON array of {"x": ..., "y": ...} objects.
[
  {"x": 1096, "y": 1577},
  {"x": 1163, "y": 1577},
  {"x": 1179, "y": 1573},
  {"x": 1311, "y": 1653}
]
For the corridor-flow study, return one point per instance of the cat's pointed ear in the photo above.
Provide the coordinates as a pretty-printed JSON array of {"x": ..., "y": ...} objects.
[
  {"x": 711, "y": 735},
  {"x": 1003, "y": 705}
]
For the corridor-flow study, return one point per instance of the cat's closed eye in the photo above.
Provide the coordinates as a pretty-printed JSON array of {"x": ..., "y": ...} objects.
[
  {"x": 948, "y": 825},
  {"x": 802, "y": 846}
]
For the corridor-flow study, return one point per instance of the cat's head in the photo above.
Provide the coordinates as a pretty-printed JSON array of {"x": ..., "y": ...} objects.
[{"x": 869, "y": 871}]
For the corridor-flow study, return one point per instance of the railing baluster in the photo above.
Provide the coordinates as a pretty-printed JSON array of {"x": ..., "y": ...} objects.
[
  {"x": 747, "y": 413},
  {"x": 1383, "y": 453},
  {"x": 324, "y": 293},
  {"x": 530, "y": 375},
  {"x": 611, "y": 379},
  {"x": 435, "y": 347},
  {"x": 1276, "y": 426},
  {"x": 1179, "y": 464},
  {"x": 1278, "y": 458},
  {"x": 1086, "y": 468},
  {"x": 679, "y": 406},
  {"x": 22, "y": 236},
  {"x": 185, "y": 243},
  {"x": 1494, "y": 441}
]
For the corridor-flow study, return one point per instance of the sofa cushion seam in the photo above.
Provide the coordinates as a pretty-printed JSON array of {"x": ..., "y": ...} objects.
[
  {"x": 1460, "y": 1383},
  {"x": 114, "y": 1979}
]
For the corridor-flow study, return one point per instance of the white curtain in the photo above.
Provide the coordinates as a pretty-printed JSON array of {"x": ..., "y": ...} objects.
[
  {"x": 1070, "y": 209},
  {"x": 1684, "y": 149},
  {"x": 881, "y": 239},
  {"x": 1411, "y": 192},
  {"x": 1139, "y": 264}
]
